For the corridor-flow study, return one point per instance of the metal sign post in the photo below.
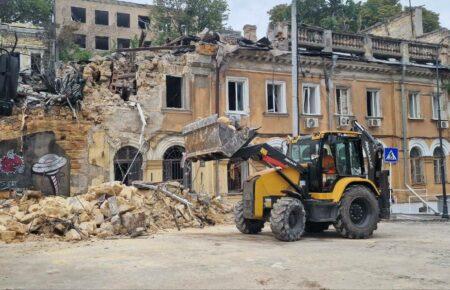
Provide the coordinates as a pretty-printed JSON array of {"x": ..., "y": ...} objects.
[{"x": 391, "y": 157}]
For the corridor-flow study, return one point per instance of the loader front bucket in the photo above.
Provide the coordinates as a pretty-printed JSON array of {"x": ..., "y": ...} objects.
[{"x": 208, "y": 139}]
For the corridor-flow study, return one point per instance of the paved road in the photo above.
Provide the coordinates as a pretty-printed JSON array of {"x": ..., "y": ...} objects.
[{"x": 401, "y": 255}]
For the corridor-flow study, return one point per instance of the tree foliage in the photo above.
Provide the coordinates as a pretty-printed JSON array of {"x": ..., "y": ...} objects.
[
  {"x": 348, "y": 15},
  {"x": 35, "y": 11},
  {"x": 173, "y": 18}
]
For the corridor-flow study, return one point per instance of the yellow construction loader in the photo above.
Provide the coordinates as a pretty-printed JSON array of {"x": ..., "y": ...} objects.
[{"x": 327, "y": 178}]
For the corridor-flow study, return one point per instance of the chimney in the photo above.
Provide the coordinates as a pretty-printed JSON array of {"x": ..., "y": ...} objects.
[{"x": 250, "y": 32}]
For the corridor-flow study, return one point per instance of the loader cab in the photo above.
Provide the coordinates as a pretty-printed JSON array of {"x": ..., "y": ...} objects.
[{"x": 329, "y": 156}]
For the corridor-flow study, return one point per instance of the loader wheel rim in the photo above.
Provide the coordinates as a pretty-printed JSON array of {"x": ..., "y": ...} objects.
[
  {"x": 359, "y": 211},
  {"x": 294, "y": 218}
]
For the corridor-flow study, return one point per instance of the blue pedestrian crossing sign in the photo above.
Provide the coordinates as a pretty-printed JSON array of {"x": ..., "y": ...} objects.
[{"x": 391, "y": 155}]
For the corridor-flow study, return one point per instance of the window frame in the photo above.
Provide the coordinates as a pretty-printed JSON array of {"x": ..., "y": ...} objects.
[
  {"x": 379, "y": 106},
  {"x": 437, "y": 161},
  {"x": 123, "y": 39},
  {"x": 349, "y": 101},
  {"x": 283, "y": 109},
  {"x": 117, "y": 20},
  {"x": 109, "y": 45},
  {"x": 444, "y": 103},
  {"x": 95, "y": 17},
  {"x": 184, "y": 103},
  {"x": 317, "y": 99},
  {"x": 139, "y": 22},
  {"x": 416, "y": 95},
  {"x": 245, "y": 95},
  {"x": 417, "y": 163},
  {"x": 81, "y": 8},
  {"x": 77, "y": 37}
]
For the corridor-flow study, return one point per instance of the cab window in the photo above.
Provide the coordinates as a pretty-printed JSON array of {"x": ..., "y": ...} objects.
[
  {"x": 305, "y": 151},
  {"x": 349, "y": 158}
]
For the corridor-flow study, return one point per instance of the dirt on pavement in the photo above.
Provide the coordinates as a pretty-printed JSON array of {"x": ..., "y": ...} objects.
[{"x": 407, "y": 255}]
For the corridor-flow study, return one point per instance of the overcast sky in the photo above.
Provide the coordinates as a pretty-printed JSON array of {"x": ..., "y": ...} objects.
[{"x": 255, "y": 11}]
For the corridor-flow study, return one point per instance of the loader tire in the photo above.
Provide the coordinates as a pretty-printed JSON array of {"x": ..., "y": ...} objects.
[
  {"x": 246, "y": 226},
  {"x": 312, "y": 227},
  {"x": 287, "y": 219},
  {"x": 358, "y": 213}
]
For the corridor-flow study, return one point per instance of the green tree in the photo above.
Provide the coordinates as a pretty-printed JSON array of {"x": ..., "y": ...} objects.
[
  {"x": 339, "y": 15},
  {"x": 35, "y": 11},
  {"x": 374, "y": 11},
  {"x": 172, "y": 18}
]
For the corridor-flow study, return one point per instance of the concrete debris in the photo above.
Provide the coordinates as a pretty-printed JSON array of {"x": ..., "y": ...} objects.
[{"x": 107, "y": 210}]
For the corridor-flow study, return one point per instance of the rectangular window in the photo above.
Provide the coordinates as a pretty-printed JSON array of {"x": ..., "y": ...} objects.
[
  {"x": 237, "y": 95},
  {"x": 123, "y": 20},
  {"x": 276, "y": 97},
  {"x": 435, "y": 105},
  {"x": 373, "y": 104},
  {"x": 174, "y": 92},
  {"x": 147, "y": 43},
  {"x": 78, "y": 14},
  {"x": 101, "y": 43},
  {"x": 123, "y": 43},
  {"x": 143, "y": 22},
  {"x": 36, "y": 61},
  {"x": 101, "y": 17},
  {"x": 80, "y": 40},
  {"x": 414, "y": 105},
  {"x": 343, "y": 103},
  {"x": 311, "y": 100}
]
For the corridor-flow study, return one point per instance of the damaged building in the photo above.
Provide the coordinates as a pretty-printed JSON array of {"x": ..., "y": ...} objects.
[{"x": 128, "y": 124}]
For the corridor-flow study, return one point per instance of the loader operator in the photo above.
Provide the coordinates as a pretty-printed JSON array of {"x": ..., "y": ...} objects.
[{"x": 328, "y": 165}]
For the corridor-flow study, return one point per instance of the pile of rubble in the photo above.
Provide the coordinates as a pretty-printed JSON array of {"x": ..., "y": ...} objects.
[{"x": 107, "y": 210}]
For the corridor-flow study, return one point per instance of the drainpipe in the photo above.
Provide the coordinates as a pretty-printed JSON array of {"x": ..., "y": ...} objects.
[
  {"x": 218, "y": 66},
  {"x": 294, "y": 51},
  {"x": 404, "y": 125}
]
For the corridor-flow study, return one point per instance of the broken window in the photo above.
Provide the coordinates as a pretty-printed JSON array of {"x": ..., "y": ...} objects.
[
  {"x": 123, "y": 43},
  {"x": 123, "y": 20},
  {"x": 438, "y": 163},
  {"x": 311, "y": 99},
  {"x": 435, "y": 106},
  {"x": 147, "y": 43},
  {"x": 80, "y": 40},
  {"x": 174, "y": 96},
  {"x": 128, "y": 165},
  {"x": 373, "y": 104},
  {"x": 36, "y": 62},
  {"x": 101, "y": 43},
  {"x": 343, "y": 105},
  {"x": 143, "y": 22},
  {"x": 276, "y": 99},
  {"x": 78, "y": 14},
  {"x": 101, "y": 17},
  {"x": 237, "y": 95}
]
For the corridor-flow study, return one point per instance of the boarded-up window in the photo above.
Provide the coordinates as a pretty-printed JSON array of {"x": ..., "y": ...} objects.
[
  {"x": 123, "y": 43},
  {"x": 101, "y": 17},
  {"x": 78, "y": 14},
  {"x": 102, "y": 43},
  {"x": 174, "y": 93},
  {"x": 123, "y": 20}
]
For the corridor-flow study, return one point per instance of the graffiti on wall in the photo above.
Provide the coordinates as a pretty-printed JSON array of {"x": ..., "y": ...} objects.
[
  {"x": 50, "y": 165},
  {"x": 11, "y": 163},
  {"x": 41, "y": 164}
]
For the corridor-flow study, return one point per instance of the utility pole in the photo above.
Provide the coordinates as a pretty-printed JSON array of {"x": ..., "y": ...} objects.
[
  {"x": 443, "y": 179},
  {"x": 294, "y": 51}
]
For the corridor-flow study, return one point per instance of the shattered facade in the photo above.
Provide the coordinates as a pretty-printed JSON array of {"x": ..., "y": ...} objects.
[{"x": 136, "y": 103}]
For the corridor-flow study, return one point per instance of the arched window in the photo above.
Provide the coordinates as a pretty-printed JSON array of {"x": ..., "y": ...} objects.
[
  {"x": 172, "y": 169},
  {"x": 417, "y": 175},
  {"x": 438, "y": 162},
  {"x": 128, "y": 165}
]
